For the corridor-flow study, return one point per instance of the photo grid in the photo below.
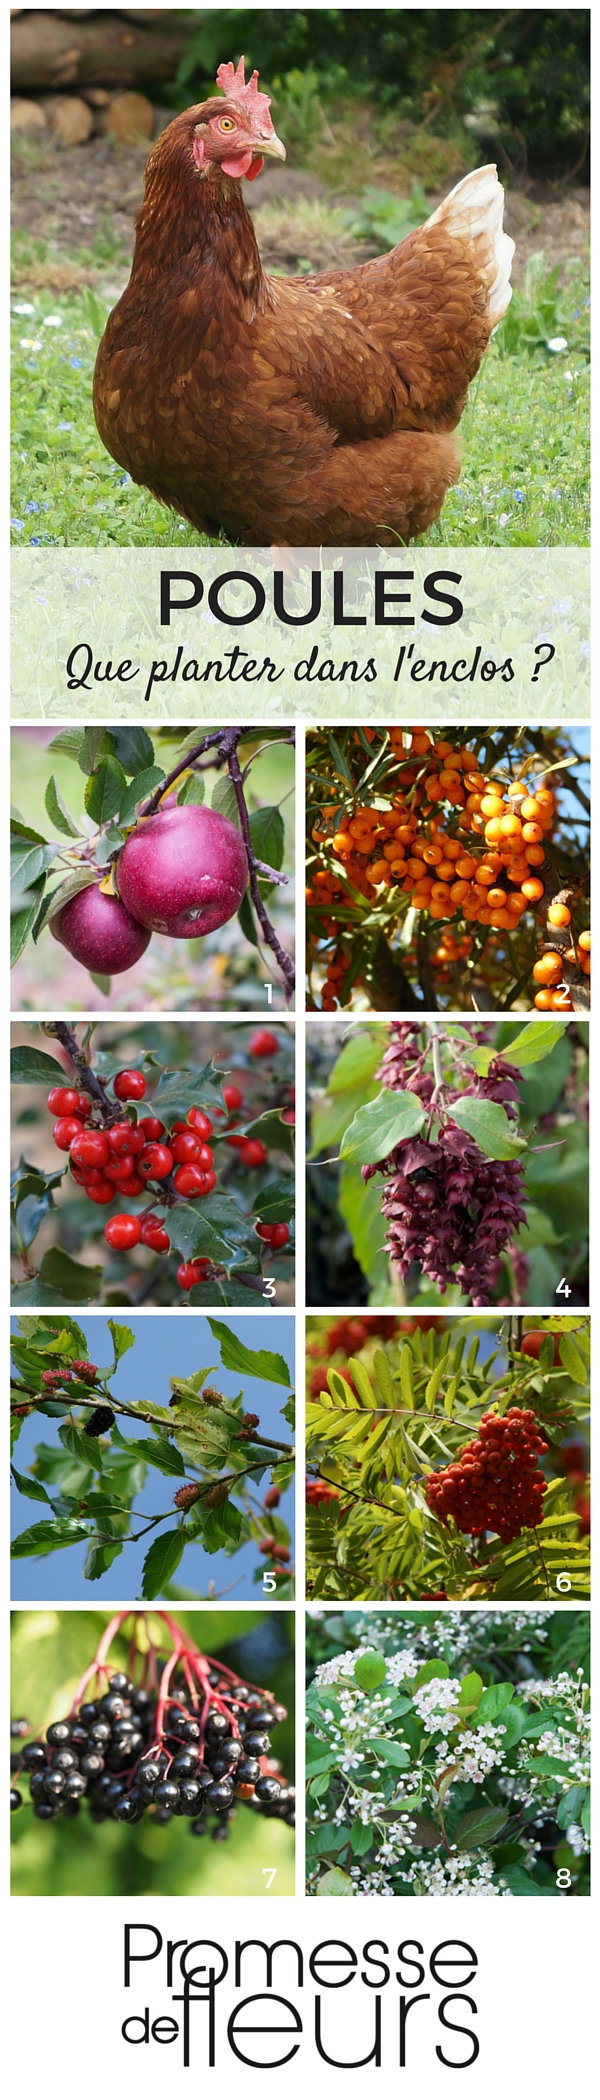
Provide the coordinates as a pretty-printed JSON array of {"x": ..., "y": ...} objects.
[{"x": 268, "y": 1136}]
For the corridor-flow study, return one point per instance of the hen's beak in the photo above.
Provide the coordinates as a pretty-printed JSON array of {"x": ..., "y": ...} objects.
[{"x": 272, "y": 146}]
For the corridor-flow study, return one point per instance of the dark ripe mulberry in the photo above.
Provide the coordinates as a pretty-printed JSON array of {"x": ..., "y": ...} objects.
[
  {"x": 495, "y": 1484},
  {"x": 100, "y": 1422}
]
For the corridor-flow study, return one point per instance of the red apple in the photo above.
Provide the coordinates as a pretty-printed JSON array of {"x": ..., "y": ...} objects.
[
  {"x": 99, "y": 932},
  {"x": 183, "y": 871}
]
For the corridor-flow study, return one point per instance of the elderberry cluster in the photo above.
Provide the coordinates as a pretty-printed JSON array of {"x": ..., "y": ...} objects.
[
  {"x": 448, "y": 1207},
  {"x": 109, "y": 1752},
  {"x": 495, "y": 1485}
]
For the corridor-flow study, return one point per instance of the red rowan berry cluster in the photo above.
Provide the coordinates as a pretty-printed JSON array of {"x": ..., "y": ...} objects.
[
  {"x": 495, "y": 1484},
  {"x": 320, "y": 1491}
]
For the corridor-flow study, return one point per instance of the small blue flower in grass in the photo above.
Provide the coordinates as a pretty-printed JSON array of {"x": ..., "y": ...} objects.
[
  {"x": 17, "y": 524},
  {"x": 123, "y": 480},
  {"x": 31, "y": 506},
  {"x": 76, "y": 364},
  {"x": 519, "y": 495},
  {"x": 585, "y": 648},
  {"x": 64, "y": 426},
  {"x": 503, "y": 519},
  {"x": 34, "y": 542}
]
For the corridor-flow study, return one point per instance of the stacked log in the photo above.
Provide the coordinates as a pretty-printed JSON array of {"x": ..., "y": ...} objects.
[{"x": 80, "y": 70}]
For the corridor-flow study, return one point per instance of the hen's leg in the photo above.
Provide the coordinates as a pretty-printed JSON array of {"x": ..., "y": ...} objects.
[{"x": 369, "y": 495}]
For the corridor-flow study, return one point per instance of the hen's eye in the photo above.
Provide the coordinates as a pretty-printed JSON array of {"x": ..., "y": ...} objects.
[{"x": 226, "y": 124}]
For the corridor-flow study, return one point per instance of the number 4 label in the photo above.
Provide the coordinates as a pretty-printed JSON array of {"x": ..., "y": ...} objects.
[{"x": 563, "y": 1289}]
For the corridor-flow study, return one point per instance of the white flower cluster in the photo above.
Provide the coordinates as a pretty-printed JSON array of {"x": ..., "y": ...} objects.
[
  {"x": 341, "y": 1667},
  {"x": 478, "y": 1751},
  {"x": 437, "y": 1702}
]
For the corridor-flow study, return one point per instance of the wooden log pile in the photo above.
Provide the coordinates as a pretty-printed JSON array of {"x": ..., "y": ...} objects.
[{"x": 78, "y": 70}]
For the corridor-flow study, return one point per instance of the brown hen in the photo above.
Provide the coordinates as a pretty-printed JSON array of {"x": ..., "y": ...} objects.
[{"x": 292, "y": 411}]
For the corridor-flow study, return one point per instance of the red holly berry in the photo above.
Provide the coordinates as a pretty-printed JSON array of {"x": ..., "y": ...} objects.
[
  {"x": 120, "y": 1136},
  {"x": 279, "y": 1235},
  {"x": 100, "y": 1191},
  {"x": 263, "y": 1044},
  {"x": 129, "y": 1086},
  {"x": 63, "y": 1101},
  {"x": 235, "y": 1138},
  {"x": 133, "y": 1187},
  {"x": 200, "y": 1122},
  {"x": 119, "y": 1169},
  {"x": 123, "y": 1231},
  {"x": 153, "y": 1235},
  {"x": 185, "y": 1147},
  {"x": 153, "y": 1162},
  {"x": 253, "y": 1153},
  {"x": 90, "y": 1149},
  {"x": 232, "y": 1097},
  {"x": 65, "y": 1130},
  {"x": 152, "y": 1127},
  {"x": 190, "y": 1181}
]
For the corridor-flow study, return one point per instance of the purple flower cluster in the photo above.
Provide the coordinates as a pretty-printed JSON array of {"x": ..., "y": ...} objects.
[{"x": 448, "y": 1206}]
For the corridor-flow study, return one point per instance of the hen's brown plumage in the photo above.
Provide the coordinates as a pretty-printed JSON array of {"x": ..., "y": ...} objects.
[{"x": 301, "y": 411}]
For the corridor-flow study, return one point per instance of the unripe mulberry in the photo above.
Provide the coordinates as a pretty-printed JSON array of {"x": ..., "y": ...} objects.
[
  {"x": 186, "y": 1496},
  {"x": 84, "y": 1370}
]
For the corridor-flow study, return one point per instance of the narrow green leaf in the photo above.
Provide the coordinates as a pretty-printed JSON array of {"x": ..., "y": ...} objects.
[
  {"x": 138, "y": 789},
  {"x": 58, "y": 813}
]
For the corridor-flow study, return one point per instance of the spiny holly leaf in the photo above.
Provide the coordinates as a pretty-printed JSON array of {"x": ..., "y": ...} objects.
[
  {"x": 161, "y": 1561},
  {"x": 382, "y": 1124}
]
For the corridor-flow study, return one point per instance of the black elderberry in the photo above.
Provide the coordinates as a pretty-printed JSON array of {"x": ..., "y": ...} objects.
[
  {"x": 16, "y": 1799},
  {"x": 113, "y": 1705},
  {"x": 44, "y": 1811},
  {"x": 34, "y": 1755},
  {"x": 80, "y": 1736},
  {"x": 19, "y": 1728},
  {"x": 141, "y": 1699},
  {"x": 162, "y": 1815},
  {"x": 64, "y": 1761},
  {"x": 150, "y": 1772},
  {"x": 74, "y": 1786},
  {"x": 54, "y": 1785},
  {"x": 89, "y": 1712},
  {"x": 217, "y": 1725},
  {"x": 267, "y": 1789},
  {"x": 248, "y": 1771},
  {"x": 263, "y": 1718},
  {"x": 92, "y": 1764},
  {"x": 231, "y": 1751},
  {"x": 120, "y": 1682},
  {"x": 257, "y": 1745},
  {"x": 189, "y": 1731},
  {"x": 198, "y": 1829},
  {"x": 190, "y": 1795},
  {"x": 220, "y": 1768},
  {"x": 184, "y": 1764},
  {"x": 128, "y": 1809},
  {"x": 219, "y": 1834},
  {"x": 166, "y": 1793},
  {"x": 58, "y": 1733},
  {"x": 36, "y": 1785},
  {"x": 219, "y": 1794},
  {"x": 70, "y": 1808},
  {"x": 99, "y": 1733}
]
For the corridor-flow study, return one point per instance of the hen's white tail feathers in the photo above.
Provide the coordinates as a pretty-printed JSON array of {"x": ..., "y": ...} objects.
[{"x": 474, "y": 211}]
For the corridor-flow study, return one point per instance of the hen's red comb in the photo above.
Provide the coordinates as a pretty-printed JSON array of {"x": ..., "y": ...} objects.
[{"x": 233, "y": 82}]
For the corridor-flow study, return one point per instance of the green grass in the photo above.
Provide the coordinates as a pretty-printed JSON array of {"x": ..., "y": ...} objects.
[{"x": 524, "y": 437}]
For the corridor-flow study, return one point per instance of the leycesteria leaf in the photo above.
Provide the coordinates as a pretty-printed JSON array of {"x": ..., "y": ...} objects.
[
  {"x": 488, "y": 1123},
  {"x": 381, "y": 1125}
]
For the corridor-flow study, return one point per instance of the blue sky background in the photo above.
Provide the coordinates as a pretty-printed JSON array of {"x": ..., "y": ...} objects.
[{"x": 166, "y": 1345}]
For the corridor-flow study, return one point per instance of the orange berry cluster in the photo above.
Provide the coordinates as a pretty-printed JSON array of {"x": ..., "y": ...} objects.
[
  {"x": 490, "y": 878},
  {"x": 553, "y": 991}
]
